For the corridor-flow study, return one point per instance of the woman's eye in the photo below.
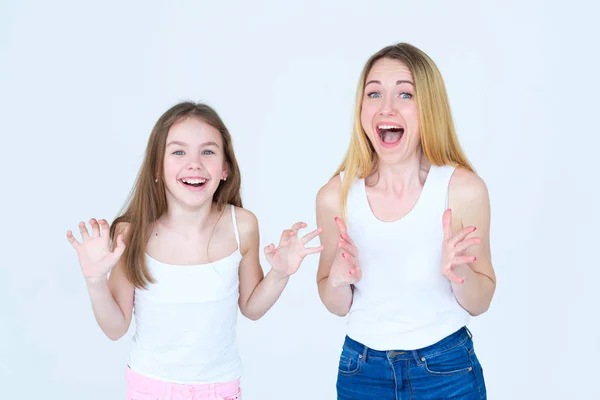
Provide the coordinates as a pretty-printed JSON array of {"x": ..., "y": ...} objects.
[
  {"x": 207, "y": 152},
  {"x": 178, "y": 152},
  {"x": 374, "y": 95},
  {"x": 405, "y": 95}
]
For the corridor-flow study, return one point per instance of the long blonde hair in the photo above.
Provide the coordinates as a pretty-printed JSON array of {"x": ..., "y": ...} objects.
[
  {"x": 438, "y": 137},
  {"x": 148, "y": 201}
]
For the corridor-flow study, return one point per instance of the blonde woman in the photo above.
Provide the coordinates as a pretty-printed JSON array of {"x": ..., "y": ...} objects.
[{"x": 402, "y": 257}]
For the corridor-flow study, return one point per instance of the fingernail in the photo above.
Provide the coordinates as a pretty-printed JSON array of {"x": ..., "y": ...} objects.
[
  {"x": 343, "y": 255},
  {"x": 342, "y": 235},
  {"x": 336, "y": 218},
  {"x": 350, "y": 272},
  {"x": 474, "y": 258},
  {"x": 474, "y": 229}
]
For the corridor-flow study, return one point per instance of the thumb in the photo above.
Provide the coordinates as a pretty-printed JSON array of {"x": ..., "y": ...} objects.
[
  {"x": 270, "y": 249},
  {"x": 120, "y": 248}
]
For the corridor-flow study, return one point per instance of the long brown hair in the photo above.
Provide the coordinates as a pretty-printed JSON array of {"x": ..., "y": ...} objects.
[
  {"x": 148, "y": 201},
  {"x": 438, "y": 136}
]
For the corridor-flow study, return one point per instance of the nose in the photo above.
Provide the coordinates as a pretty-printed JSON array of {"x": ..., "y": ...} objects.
[
  {"x": 194, "y": 163},
  {"x": 388, "y": 106}
]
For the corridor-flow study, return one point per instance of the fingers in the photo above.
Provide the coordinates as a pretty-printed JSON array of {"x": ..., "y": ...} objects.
[
  {"x": 72, "y": 239},
  {"x": 460, "y": 235},
  {"x": 459, "y": 260},
  {"x": 313, "y": 250},
  {"x": 348, "y": 239},
  {"x": 270, "y": 249},
  {"x": 298, "y": 225},
  {"x": 349, "y": 259},
  {"x": 310, "y": 236},
  {"x": 450, "y": 274},
  {"x": 341, "y": 225},
  {"x": 95, "y": 227},
  {"x": 465, "y": 244},
  {"x": 354, "y": 269},
  {"x": 83, "y": 230},
  {"x": 105, "y": 227},
  {"x": 120, "y": 248},
  {"x": 347, "y": 248},
  {"x": 285, "y": 235}
]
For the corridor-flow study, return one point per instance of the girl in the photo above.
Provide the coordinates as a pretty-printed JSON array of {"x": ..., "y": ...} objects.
[
  {"x": 400, "y": 257},
  {"x": 184, "y": 256}
]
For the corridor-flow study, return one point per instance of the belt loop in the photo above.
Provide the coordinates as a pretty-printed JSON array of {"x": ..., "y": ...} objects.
[
  {"x": 469, "y": 333},
  {"x": 418, "y": 359},
  {"x": 364, "y": 354}
]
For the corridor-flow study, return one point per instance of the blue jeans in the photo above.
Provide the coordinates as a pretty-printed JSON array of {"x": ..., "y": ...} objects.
[{"x": 448, "y": 369}]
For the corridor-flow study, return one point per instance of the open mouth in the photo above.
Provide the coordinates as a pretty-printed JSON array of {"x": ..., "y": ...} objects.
[
  {"x": 390, "y": 133},
  {"x": 193, "y": 182}
]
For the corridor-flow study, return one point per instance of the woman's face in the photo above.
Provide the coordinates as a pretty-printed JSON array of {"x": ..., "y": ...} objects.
[{"x": 389, "y": 111}]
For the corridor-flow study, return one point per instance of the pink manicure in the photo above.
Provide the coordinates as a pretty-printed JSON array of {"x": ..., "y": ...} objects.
[{"x": 350, "y": 272}]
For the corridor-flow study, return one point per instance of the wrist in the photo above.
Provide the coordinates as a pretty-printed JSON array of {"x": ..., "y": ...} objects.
[
  {"x": 277, "y": 275},
  {"x": 96, "y": 282}
]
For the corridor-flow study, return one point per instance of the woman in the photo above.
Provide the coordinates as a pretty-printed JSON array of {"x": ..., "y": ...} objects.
[{"x": 400, "y": 256}]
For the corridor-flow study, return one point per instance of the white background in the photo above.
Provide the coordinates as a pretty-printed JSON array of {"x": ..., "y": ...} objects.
[{"x": 81, "y": 86}]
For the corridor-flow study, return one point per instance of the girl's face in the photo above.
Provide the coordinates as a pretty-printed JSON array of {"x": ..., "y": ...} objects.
[{"x": 194, "y": 162}]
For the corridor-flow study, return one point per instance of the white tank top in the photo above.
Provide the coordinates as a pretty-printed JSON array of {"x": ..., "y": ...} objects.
[
  {"x": 186, "y": 321},
  {"x": 402, "y": 301}
]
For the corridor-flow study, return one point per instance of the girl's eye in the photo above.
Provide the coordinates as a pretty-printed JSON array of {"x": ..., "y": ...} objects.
[
  {"x": 207, "y": 152},
  {"x": 405, "y": 95},
  {"x": 374, "y": 95},
  {"x": 178, "y": 152}
]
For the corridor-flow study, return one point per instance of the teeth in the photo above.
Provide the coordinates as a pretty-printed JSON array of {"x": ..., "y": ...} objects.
[
  {"x": 193, "y": 181},
  {"x": 389, "y": 127}
]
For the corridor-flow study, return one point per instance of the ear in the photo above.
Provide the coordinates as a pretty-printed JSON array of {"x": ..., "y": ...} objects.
[{"x": 225, "y": 174}]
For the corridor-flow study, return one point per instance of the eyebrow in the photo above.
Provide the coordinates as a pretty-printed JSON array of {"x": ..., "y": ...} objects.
[
  {"x": 397, "y": 82},
  {"x": 178, "y": 143}
]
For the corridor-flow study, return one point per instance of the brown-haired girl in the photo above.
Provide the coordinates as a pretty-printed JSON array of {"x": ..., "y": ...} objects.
[{"x": 184, "y": 255}]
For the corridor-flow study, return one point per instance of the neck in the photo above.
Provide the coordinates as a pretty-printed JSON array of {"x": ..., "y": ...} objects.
[
  {"x": 187, "y": 221},
  {"x": 400, "y": 175}
]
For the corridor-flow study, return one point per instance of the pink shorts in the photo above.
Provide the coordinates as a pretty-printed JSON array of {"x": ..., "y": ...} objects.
[{"x": 140, "y": 387}]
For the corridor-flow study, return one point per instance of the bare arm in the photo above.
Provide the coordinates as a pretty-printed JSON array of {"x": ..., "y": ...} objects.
[
  {"x": 258, "y": 293},
  {"x": 112, "y": 298},
  {"x": 335, "y": 284},
  {"x": 470, "y": 205}
]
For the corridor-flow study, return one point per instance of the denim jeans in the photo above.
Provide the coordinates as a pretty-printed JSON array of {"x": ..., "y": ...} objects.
[{"x": 448, "y": 369}]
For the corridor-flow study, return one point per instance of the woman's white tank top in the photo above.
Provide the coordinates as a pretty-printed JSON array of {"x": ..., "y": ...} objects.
[
  {"x": 186, "y": 321},
  {"x": 402, "y": 301}
]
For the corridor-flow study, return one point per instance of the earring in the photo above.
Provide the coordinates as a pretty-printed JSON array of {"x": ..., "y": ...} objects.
[
  {"x": 224, "y": 179},
  {"x": 156, "y": 180}
]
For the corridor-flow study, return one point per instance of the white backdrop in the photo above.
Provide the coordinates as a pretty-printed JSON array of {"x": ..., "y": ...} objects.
[{"x": 81, "y": 86}]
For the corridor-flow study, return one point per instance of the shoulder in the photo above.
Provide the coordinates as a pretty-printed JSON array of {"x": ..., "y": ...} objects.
[
  {"x": 329, "y": 194},
  {"x": 467, "y": 186},
  {"x": 247, "y": 224},
  {"x": 246, "y": 221}
]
